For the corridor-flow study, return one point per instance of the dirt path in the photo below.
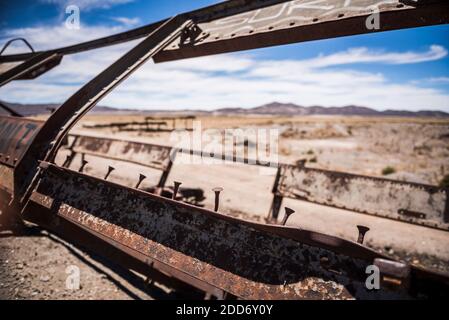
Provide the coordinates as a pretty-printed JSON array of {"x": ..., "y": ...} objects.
[{"x": 38, "y": 265}]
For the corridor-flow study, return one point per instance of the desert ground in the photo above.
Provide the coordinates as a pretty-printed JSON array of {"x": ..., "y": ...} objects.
[{"x": 414, "y": 149}]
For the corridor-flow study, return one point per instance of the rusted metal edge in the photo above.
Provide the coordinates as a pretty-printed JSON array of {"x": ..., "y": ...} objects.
[
  {"x": 9, "y": 110},
  {"x": 300, "y": 21},
  {"x": 115, "y": 251},
  {"x": 336, "y": 244},
  {"x": 49, "y": 138},
  {"x": 434, "y": 219},
  {"x": 396, "y": 14},
  {"x": 103, "y": 151},
  {"x": 16, "y": 134},
  {"x": 199, "y": 153},
  {"x": 176, "y": 234},
  {"x": 208, "y": 13},
  {"x": 31, "y": 68}
]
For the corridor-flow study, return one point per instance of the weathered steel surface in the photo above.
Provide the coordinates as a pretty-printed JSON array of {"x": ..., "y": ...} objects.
[
  {"x": 304, "y": 20},
  {"x": 6, "y": 181},
  {"x": 410, "y": 202},
  {"x": 16, "y": 135},
  {"x": 150, "y": 155},
  {"x": 246, "y": 259}
]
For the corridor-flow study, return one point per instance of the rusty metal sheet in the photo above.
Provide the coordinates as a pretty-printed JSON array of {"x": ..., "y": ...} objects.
[
  {"x": 248, "y": 260},
  {"x": 16, "y": 135},
  {"x": 303, "y": 20},
  {"x": 409, "y": 202},
  {"x": 147, "y": 154},
  {"x": 6, "y": 181}
]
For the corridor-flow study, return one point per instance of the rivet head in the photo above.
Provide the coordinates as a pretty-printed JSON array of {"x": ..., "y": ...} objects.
[
  {"x": 288, "y": 213},
  {"x": 362, "y": 231}
]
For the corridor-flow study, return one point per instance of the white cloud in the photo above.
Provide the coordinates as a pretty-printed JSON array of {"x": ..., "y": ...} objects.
[
  {"x": 364, "y": 55},
  {"x": 127, "y": 22},
  {"x": 240, "y": 80},
  {"x": 44, "y": 38},
  {"x": 439, "y": 80},
  {"x": 87, "y": 4}
]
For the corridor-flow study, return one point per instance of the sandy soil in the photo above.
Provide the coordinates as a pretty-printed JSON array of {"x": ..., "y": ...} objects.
[{"x": 417, "y": 149}]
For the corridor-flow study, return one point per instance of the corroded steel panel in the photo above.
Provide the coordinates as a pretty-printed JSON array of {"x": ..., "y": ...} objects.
[
  {"x": 303, "y": 20},
  {"x": 6, "y": 180},
  {"x": 151, "y": 155},
  {"x": 16, "y": 135},
  {"x": 249, "y": 260},
  {"x": 411, "y": 202}
]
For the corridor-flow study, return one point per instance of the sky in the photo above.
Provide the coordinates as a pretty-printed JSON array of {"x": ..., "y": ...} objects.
[{"x": 400, "y": 70}]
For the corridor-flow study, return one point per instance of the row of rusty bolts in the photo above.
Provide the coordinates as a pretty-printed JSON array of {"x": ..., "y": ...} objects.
[
  {"x": 362, "y": 229},
  {"x": 142, "y": 177},
  {"x": 288, "y": 211}
]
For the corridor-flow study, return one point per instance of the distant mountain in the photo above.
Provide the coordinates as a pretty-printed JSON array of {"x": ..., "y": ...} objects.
[
  {"x": 46, "y": 108},
  {"x": 274, "y": 108}
]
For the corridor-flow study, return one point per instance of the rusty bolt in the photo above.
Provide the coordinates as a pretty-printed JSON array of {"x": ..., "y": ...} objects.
[
  {"x": 217, "y": 191},
  {"x": 7, "y": 158},
  {"x": 362, "y": 231},
  {"x": 15, "y": 160},
  {"x": 287, "y": 214},
  {"x": 141, "y": 178},
  {"x": 175, "y": 189},
  {"x": 110, "y": 169},
  {"x": 1, "y": 155},
  {"x": 83, "y": 164}
]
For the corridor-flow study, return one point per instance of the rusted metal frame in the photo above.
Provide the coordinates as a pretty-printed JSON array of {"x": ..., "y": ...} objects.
[
  {"x": 93, "y": 44},
  {"x": 247, "y": 259},
  {"x": 51, "y": 135},
  {"x": 16, "y": 39},
  {"x": 225, "y": 157},
  {"x": 7, "y": 181},
  {"x": 306, "y": 20},
  {"x": 29, "y": 67},
  {"x": 102, "y": 147},
  {"x": 438, "y": 197},
  {"x": 16, "y": 134},
  {"x": 394, "y": 15},
  {"x": 113, "y": 250},
  {"x": 219, "y": 10},
  {"x": 165, "y": 170},
  {"x": 11, "y": 111}
]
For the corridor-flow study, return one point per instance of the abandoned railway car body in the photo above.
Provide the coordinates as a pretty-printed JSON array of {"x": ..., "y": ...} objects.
[{"x": 171, "y": 241}]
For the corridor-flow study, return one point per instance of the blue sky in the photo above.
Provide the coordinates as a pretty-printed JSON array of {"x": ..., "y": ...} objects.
[{"x": 407, "y": 69}]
